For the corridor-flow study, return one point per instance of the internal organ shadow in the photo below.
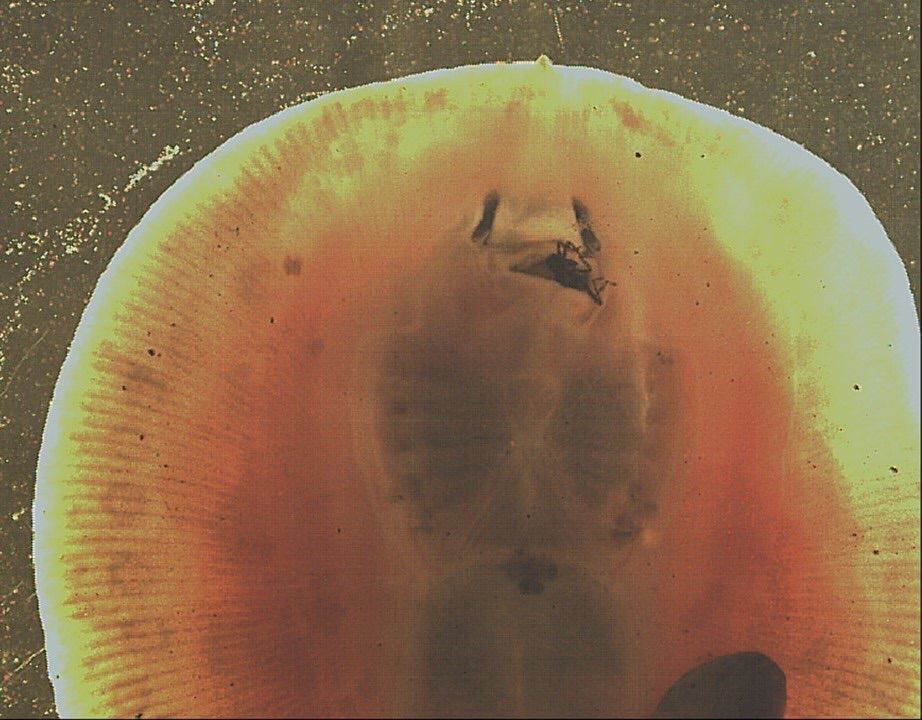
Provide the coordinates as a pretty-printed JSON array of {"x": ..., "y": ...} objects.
[{"x": 525, "y": 461}]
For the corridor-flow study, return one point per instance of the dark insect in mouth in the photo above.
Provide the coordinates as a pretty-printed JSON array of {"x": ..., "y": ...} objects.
[{"x": 570, "y": 266}]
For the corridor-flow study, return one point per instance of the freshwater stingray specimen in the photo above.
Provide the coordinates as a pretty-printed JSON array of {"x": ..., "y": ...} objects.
[{"x": 502, "y": 390}]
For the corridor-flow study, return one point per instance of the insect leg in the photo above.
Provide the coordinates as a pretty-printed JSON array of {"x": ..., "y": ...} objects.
[{"x": 595, "y": 288}]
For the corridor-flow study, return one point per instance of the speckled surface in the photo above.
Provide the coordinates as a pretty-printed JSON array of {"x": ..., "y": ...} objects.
[{"x": 103, "y": 106}]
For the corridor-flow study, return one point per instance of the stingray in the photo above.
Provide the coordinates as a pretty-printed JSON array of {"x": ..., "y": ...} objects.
[{"x": 511, "y": 389}]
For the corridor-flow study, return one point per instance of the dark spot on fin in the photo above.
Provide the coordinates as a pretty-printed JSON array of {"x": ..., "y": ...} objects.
[
  {"x": 482, "y": 232},
  {"x": 586, "y": 235},
  {"x": 741, "y": 685}
]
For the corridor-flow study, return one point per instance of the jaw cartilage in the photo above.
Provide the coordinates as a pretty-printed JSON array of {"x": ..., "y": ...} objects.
[
  {"x": 587, "y": 236},
  {"x": 481, "y": 233}
]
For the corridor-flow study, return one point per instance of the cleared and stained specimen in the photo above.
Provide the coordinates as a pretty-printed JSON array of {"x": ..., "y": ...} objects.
[{"x": 512, "y": 389}]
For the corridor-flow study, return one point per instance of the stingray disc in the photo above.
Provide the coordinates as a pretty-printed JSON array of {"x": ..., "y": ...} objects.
[{"x": 510, "y": 389}]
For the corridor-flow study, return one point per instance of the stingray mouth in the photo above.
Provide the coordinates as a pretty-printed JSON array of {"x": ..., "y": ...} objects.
[{"x": 572, "y": 260}]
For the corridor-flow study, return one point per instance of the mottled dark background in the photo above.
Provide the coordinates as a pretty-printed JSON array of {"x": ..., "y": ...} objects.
[{"x": 103, "y": 106}]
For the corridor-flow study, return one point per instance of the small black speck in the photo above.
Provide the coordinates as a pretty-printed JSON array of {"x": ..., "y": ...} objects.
[
  {"x": 141, "y": 436},
  {"x": 894, "y": 469},
  {"x": 856, "y": 386},
  {"x": 876, "y": 552},
  {"x": 637, "y": 155},
  {"x": 890, "y": 660},
  {"x": 338, "y": 530},
  {"x": 124, "y": 387},
  {"x": 151, "y": 352},
  {"x": 271, "y": 320}
]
